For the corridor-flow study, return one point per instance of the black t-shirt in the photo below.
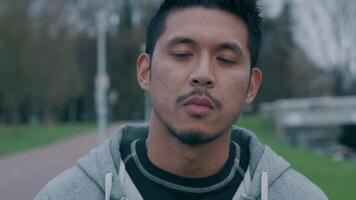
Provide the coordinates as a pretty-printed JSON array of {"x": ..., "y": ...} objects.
[{"x": 155, "y": 183}]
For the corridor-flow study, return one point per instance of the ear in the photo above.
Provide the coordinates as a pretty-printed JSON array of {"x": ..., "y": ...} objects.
[
  {"x": 254, "y": 86},
  {"x": 143, "y": 71}
]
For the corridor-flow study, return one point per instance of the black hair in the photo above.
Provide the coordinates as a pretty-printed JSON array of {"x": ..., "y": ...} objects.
[{"x": 247, "y": 10}]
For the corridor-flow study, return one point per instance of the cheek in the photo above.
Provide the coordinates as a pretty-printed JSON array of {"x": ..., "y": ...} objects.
[
  {"x": 235, "y": 92},
  {"x": 242, "y": 84},
  {"x": 158, "y": 85},
  {"x": 163, "y": 85},
  {"x": 240, "y": 88}
]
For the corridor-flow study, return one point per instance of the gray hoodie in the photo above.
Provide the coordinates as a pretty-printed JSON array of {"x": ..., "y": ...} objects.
[{"x": 102, "y": 175}]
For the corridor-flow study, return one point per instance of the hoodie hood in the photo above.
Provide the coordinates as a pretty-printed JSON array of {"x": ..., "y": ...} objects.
[
  {"x": 272, "y": 166},
  {"x": 106, "y": 159},
  {"x": 263, "y": 162}
]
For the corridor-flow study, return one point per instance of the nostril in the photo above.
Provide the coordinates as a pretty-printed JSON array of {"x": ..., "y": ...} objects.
[{"x": 204, "y": 83}]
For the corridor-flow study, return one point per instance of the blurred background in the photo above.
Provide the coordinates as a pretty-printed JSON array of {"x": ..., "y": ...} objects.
[{"x": 66, "y": 64}]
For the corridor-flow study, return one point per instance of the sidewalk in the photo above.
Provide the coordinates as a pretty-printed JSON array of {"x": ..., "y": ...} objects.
[{"x": 23, "y": 175}]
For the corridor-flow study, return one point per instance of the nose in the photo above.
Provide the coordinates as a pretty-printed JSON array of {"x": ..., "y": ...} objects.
[{"x": 203, "y": 74}]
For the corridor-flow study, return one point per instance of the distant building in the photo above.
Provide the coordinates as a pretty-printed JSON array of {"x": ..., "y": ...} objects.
[{"x": 315, "y": 123}]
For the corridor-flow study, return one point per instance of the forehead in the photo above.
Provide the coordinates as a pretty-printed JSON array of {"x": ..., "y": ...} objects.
[{"x": 206, "y": 26}]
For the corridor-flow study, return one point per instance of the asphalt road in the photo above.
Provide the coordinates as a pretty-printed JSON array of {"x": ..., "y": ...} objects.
[{"x": 24, "y": 174}]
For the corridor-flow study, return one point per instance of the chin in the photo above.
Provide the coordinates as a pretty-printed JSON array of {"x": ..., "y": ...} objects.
[
  {"x": 189, "y": 131},
  {"x": 194, "y": 136}
]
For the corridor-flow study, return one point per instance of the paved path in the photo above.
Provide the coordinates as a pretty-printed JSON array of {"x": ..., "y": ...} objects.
[{"x": 22, "y": 175}]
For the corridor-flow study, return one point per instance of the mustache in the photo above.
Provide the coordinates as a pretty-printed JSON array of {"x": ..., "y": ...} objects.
[{"x": 199, "y": 92}]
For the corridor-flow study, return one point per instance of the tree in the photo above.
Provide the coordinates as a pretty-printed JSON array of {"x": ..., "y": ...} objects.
[
  {"x": 39, "y": 71},
  {"x": 14, "y": 40},
  {"x": 287, "y": 70},
  {"x": 326, "y": 31}
]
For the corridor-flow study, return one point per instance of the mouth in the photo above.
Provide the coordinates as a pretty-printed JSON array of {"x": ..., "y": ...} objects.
[{"x": 198, "y": 106}]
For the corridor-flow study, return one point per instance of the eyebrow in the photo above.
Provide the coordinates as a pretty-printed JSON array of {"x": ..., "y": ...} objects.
[
  {"x": 230, "y": 46},
  {"x": 180, "y": 40},
  {"x": 222, "y": 46}
]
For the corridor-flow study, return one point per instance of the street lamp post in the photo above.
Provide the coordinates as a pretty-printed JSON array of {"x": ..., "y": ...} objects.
[{"x": 101, "y": 79}]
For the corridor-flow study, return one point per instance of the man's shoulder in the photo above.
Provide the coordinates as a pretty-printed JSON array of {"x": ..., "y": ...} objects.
[
  {"x": 69, "y": 185},
  {"x": 293, "y": 185},
  {"x": 288, "y": 183}
]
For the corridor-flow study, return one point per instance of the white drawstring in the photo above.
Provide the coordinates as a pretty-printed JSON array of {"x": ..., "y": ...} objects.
[
  {"x": 122, "y": 172},
  {"x": 264, "y": 186},
  {"x": 122, "y": 176},
  {"x": 108, "y": 185}
]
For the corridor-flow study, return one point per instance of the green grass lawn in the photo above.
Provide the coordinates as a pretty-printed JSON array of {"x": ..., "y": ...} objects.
[
  {"x": 21, "y": 137},
  {"x": 336, "y": 178}
]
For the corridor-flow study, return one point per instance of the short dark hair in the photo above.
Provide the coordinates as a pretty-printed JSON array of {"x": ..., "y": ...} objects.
[{"x": 247, "y": 10}]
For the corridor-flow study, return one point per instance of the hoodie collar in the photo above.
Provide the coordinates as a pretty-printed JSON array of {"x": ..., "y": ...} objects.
[
  {"x": 262, "y": 160},
  {"x": 106, "y": 158},
  {"x": 269, "y": 163}
]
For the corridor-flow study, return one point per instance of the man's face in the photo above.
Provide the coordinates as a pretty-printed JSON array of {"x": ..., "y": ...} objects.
[{"x": 199, "y": 76}]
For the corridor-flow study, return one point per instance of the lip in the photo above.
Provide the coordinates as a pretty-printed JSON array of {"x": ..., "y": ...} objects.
[{"x": 198, "y": 106}]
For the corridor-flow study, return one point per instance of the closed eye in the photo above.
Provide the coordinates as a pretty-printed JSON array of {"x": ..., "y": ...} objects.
[
  {"x": 226, "y": 61},
  {"x": 181, "y": 55}
]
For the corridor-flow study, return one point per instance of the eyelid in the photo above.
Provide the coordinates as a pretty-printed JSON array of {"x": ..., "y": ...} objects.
[
  {"x": 226, "y": 59},
  {"x": 181, "y": 53}
]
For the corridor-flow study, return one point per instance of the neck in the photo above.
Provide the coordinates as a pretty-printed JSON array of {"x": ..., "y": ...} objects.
[{"x": 168, "y": 153}]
